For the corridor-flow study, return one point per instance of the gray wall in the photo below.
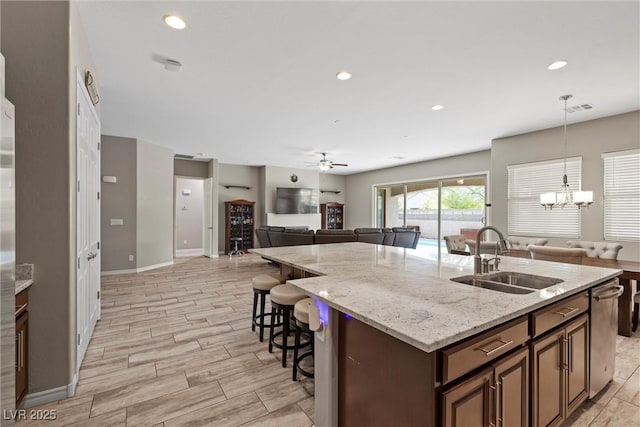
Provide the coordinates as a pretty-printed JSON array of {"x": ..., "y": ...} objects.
[
  {"x": 191, "y": 168},
  {"x": 189, "y": 213},
  {"x": 334, "y": 183},
  {"x": 359, "y": 187},
  {"x": 237, "y": 175},
  {"x": 43, "y": 43},
  {"x": 587, "y": 139},
  {"x": 118, "y": 202},
  {"x": 154, "y": 233}
]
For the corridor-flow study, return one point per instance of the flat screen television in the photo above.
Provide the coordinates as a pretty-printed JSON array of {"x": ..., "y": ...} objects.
[{"x": 296, "y": 200}]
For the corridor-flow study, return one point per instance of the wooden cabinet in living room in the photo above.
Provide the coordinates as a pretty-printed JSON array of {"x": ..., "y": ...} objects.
[
  {"x": 497, "y": 396},
  {"x": 332, "y": 215},
  {"x": 239, "y": 224}
]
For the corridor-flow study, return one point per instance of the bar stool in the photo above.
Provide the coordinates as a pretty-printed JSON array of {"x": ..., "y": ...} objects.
[
  {"x": 236, "y": 250},
  {"x": 283, "y": 299},
  {"x": 262, "y": 285},
  {"x": 301, "y": 313}
]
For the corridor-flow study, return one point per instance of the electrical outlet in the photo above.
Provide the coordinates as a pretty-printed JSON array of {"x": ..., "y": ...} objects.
[{"x": 131, "y": 258}]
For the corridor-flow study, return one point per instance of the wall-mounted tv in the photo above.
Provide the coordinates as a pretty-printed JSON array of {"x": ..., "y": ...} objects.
[{"x": 296, "y": 200}]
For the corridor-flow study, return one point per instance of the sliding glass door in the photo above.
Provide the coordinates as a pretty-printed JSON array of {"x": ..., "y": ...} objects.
[{"x": 436, "y": 208}]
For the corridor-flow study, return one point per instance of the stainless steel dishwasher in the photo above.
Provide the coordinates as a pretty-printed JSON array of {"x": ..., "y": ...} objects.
[{"x": 604, "y": 329}]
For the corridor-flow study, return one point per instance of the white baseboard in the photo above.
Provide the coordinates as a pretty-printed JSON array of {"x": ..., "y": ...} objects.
[
  {"x": 189, "y": 252},
  {"x": 71, "y": 388},
  {"x": 46, "y": 396},
  {"x": 136, "y": 270}
]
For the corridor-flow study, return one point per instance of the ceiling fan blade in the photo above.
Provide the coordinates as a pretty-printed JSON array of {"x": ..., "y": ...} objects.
[{"x": 339, "y": 164}]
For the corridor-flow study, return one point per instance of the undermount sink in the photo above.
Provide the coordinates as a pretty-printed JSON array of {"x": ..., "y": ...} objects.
[{"x": 508, "y": 282}]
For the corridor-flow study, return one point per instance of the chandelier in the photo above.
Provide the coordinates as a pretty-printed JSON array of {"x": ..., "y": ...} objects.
[{"x": 565, "y": 196}]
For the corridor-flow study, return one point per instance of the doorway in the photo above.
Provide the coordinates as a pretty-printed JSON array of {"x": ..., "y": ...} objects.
[{"x": 189, "y": 238}]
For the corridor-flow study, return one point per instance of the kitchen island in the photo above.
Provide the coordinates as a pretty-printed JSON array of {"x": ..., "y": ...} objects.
[{"x": 391, "y": 314}]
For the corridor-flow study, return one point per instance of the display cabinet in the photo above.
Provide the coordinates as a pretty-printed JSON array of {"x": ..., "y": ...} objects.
[
  {"x": 332, "y": 215},
  {"x": 239, "y": 223}
]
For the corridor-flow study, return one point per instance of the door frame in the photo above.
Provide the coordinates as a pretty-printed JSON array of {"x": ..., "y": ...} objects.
[{"x": 175, "y": 207}]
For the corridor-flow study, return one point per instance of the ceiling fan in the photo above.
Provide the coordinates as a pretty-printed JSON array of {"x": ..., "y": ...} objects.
[{"x": 325, "y": 164}]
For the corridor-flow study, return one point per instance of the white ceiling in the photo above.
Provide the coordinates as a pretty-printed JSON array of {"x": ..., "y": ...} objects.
[{"x": 258, "y": 81}]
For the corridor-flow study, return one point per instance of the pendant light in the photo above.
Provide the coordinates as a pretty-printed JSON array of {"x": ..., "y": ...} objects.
[{"x": 565, "y": 196}]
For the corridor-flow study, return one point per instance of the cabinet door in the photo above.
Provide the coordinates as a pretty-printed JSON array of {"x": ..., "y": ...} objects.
[
  {"x": 21, "y": 356},
  {"x": 469, "y": 403},
  {"x": 577, "y": 363},
  {"x": 512, "y": 389},
  {"x": 547, "y": 400}
]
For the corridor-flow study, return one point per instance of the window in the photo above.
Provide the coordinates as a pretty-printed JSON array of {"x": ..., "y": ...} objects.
[
  {"x": 526, "y": 182},
  {"x": 622, "y": 196}
]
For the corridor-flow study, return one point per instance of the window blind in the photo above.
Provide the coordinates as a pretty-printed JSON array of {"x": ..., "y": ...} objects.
[
  {"x": 525, "y": 184},
  {"x": 622, "y": 196}
]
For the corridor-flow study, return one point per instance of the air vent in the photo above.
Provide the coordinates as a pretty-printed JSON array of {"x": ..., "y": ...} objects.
[
  {"x": 581, "y": 107},
  {"x": 183, "y": 156}
]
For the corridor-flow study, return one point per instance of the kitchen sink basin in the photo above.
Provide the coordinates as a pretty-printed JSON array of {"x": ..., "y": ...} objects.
[
  {"x": 508, "y": 282},
  {"x": 521, "y": 279},
  {"x": 488, "y": 284}
]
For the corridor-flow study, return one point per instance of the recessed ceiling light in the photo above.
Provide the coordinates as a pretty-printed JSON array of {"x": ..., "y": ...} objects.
[
  {"x": 557, "y": 65},
  {"x": 437, "y": 107},
  {"x": 174, "y": 22},
  {"x": 343, "y": 75}
]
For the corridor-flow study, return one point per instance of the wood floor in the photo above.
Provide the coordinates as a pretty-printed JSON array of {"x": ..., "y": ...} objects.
[{"x": 174, "y": 347}]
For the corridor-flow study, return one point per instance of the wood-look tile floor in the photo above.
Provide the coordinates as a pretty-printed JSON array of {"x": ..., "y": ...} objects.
[{"x": 174, "y": 347}]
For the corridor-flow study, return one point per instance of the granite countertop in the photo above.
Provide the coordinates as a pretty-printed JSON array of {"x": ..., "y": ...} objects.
[
  {"x": 407, "y": 292},
  {"x": 21, "y": 285},
  {"x": 24, "y": 277}
]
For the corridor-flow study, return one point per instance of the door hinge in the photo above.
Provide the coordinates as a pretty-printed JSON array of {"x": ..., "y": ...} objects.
[
  {"x": 98, "y": 195},
  {"x": 78, "y": 339},
  {"x": 98, "y": 245},
  {"x": 78, "y": 109},
  {"x": 78, "y": 263},
  {"x": 78, "y": 186},
  {"x": 98, "y": 294},
  {"x": 98, "y": 146}
]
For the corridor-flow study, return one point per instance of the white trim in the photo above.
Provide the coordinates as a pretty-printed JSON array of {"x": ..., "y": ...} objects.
[
  {"x": 46, "y": 396},
  {"x": 71, "y": 387},
  {"x": 189, "y": 252},
  {"x": 620, "y": 153},
  {"x": 136, "y": 270}
]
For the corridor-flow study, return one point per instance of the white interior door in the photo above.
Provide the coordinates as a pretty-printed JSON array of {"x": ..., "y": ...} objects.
[
  {"x": 88, "y": 220},
  {"x": 207, "y": 238}
]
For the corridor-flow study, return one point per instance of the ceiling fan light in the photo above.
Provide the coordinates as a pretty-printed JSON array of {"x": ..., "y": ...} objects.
[{"x": 324, "y": 166}]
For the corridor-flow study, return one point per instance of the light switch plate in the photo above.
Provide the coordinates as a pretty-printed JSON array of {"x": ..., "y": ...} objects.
[{"x": 117, "y": 221}]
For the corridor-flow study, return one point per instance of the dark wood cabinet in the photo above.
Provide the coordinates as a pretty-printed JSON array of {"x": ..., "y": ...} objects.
[
  {"x": 560, "y": 363},
  {"x": 22, "y": 344},
  {"x": 239, "y": 223},
  {"x": 497, "y": 396},
  {"x": 332, "y": 215}
]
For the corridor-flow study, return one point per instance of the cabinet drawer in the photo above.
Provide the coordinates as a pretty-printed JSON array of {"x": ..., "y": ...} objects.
[
  {"x": 550, "y": 317},
  {"x": 467, "y": 356},
  {"x": 22, "y": 301}
]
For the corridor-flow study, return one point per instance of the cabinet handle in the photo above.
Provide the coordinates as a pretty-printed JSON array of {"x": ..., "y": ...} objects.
[
  {"x": 20, "y": 309},
  {"x": 495, "y": 399},
  {"x": 499, "y": 405},
  {"x": 21, "y": 349},
  {"x": 567, "y": 313},
  {"x": 500, "y": 347},
  {"x": 18, "y": 352},
  {"x": 565, "y": 350},
  {"x": 570, "y": 353}
]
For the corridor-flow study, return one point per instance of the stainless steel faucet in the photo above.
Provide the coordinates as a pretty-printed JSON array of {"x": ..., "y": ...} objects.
[{"x": 481, "y": 266}]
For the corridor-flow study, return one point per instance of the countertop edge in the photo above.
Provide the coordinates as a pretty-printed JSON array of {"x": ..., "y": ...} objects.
[{"x": 21, "y": 285}]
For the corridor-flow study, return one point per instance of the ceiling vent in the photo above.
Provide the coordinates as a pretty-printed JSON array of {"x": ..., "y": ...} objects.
[
  {"x": 581, "y": 107},
  {"x": 172, "y": 65},
  {"x": 183, "y": 156}
]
